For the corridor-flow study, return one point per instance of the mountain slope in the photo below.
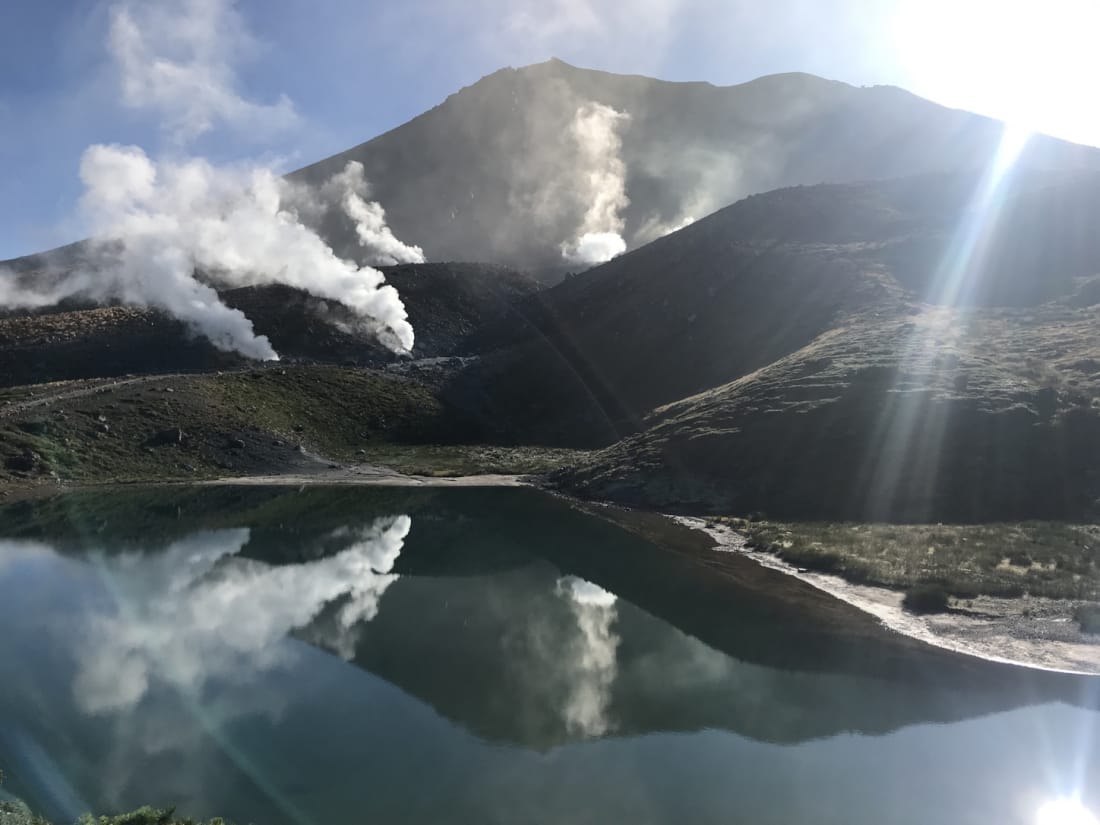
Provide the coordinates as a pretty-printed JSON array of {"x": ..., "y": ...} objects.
[
  {"x": 919, "y": 358},
  {"x": 492, "y": 173},
  {"x": 446, "y": 303},
  {"x": 764, "y": 278}
]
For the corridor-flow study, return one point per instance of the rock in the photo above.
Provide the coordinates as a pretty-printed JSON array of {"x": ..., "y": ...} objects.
[
  {"x": 360, "y": 452},
  {"x": 104, "y": 427},
  {"x": 35, "y": 427},
  {"x": 237, "y": 443},
  {"x": 298, "y": 428},
  {"x": 188, "y": 468},
  {"x": 173, "y": 435},
  {"x": 26, "y": 462}
]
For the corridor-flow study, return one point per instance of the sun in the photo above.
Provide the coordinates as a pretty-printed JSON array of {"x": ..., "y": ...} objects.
[
  {"x": 1032, "y": 64},
  {"x": 1064, "y": 811}
]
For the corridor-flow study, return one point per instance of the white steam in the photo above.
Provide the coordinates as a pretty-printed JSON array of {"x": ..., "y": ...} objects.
[
  {"x": 586, "y": 707},
  {"x": 159, "y": 225},
  {"x": 602, "y": 184},
  {"x": 349, "y": 188},
  {"x": 197, "y": 612}
]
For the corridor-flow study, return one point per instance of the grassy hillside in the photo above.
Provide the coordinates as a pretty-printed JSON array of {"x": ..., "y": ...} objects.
[
  {"x": 939, "y": 414},
  {"x": 188, "y": 426}
]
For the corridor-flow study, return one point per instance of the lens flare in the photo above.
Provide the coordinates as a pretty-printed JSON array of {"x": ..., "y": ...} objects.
[{"x": 1064, "y": 811}]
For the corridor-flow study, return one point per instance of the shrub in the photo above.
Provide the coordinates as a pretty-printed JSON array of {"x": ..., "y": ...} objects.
[
  {"x": 1088, "y": 616},
  {"x": 928, "y": 597}
]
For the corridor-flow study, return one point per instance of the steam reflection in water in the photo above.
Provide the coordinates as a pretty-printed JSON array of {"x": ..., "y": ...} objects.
[
  {"x": 594, "y": 656},
  {"x": 197, "y": 611}
]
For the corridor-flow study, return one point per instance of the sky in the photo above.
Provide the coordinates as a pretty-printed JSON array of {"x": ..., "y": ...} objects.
[{"x": 287, "y": 82}]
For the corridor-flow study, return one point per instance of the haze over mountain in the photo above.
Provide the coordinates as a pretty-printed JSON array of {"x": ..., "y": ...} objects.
[
  {"x": 498, "y": 173},
  {"x": 493, "y": 173}
]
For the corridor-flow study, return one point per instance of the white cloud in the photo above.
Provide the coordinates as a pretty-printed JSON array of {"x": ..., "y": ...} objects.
[
  {"x": 562, "y": 26},
  {"x": 177, "y": 58}
]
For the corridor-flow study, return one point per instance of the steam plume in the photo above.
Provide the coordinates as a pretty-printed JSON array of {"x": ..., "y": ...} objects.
[
  {"x": 157, "y": 224},
  {"x": 595, "y": 129},
  {"x": 350, "y": 189}
]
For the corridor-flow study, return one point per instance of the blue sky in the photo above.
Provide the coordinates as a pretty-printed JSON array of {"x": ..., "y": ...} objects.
[{"x": 346, "y": 71}]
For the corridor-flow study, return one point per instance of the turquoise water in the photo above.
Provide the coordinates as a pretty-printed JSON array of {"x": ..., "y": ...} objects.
[{"x": 375, "y": 655}]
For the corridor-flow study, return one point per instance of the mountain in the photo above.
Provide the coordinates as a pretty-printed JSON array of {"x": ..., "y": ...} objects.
[
  {"x": 493, "y": 174},
  {"x": 879, "y": 350},
  {"x": 914, "y": 339}
]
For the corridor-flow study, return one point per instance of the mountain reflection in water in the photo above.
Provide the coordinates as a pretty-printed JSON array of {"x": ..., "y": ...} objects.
[{"x": 327, "y": 655}]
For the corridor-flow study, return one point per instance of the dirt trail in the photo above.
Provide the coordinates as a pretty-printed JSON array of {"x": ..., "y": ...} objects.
[{"x": 64, "y": 391}]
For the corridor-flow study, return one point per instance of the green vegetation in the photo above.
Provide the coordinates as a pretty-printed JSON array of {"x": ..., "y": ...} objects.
[
  {"x": 926, "y": 598},
  {"x": 268, "y": 420},
  {"x": 147, "y": 816},
  {"x": 1088, "y": 617},
  {"x": 445, "y": 460},
  {"x": 17, "y": 814},
  {"x": 1048, "y": 559}
]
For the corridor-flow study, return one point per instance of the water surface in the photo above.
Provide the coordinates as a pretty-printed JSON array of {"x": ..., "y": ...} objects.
[{"x": 353, "y": 655}]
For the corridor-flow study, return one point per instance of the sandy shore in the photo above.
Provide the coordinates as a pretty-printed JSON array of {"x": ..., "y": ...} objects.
[
  {"x": 995, "y": 629},
  {"x": 370, "y": 475}
]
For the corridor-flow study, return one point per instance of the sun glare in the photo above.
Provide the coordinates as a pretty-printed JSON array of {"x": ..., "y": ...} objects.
[
  {"x": 1064, "y": 812},
  {"x": 1031, "y": 64}
]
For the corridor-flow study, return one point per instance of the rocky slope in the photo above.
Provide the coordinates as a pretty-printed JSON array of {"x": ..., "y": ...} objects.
[
  {"x": 879, "y": 350},
  {"x": 939, "y": 414},
  {"x": 764, "y": 278},
  {"x": 446, "y": 304}
]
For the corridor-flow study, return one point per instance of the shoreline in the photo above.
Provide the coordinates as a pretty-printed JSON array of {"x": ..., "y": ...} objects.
[
  {"x": 999, "y": 635},
  {"x": 369, "y": 475},
  {"x": 1004, "y": 638}
]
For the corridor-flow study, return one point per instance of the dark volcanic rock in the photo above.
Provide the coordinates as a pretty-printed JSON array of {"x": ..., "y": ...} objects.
[
  {"x": 26, "y": 462},
  {"x": 446, "y": 304},
  {"x": 172, "y": 435}
]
